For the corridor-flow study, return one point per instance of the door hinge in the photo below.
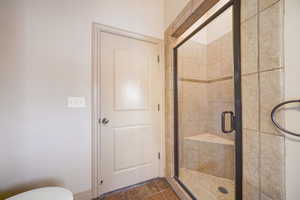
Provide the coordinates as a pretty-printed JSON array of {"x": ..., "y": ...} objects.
[
  {"x": 158, "y": 58},
  {"x": 158, "y": 107},
  {"x": 158, "y": 155}
]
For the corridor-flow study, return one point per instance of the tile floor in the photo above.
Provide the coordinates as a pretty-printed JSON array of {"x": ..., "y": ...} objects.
[
  {"x": 205, "y": 186},
  {"x": 157, "y": 189}
]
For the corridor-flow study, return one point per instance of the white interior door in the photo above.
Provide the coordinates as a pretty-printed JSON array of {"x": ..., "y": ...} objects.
[{"x": 130, "y": 121}]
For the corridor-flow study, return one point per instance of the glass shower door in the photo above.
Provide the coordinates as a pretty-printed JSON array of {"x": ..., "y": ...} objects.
[{"x": 205, "y": 111}]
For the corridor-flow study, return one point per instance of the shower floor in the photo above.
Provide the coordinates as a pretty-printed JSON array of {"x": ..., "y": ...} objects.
[{"x": 205, "y": 186}]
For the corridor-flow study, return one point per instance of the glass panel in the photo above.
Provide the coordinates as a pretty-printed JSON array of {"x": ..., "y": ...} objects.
[{"x": 205, "y": 91}]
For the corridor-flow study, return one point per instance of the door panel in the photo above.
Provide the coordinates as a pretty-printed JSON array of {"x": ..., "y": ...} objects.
[
  {"x": 130, "y": 141},
  {"x": 131, "y": 76},
  {"x": 137, "y": 153}
]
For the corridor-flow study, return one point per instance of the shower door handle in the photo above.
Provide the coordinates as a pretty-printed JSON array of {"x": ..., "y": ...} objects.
[{"x": 232, "y": 121}]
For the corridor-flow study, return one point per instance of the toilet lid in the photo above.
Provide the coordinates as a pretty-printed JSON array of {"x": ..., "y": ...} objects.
[{"x": 45, "y": 193}]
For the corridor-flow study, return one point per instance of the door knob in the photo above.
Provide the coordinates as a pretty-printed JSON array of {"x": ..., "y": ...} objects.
[{"x": 105, "y": 121}]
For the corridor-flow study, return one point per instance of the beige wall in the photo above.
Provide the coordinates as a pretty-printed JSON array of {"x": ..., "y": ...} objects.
[
  {"x": 292, "y": 91},
  {"x": 172, "y": 9},
  {"x": 45, "y": 56}
]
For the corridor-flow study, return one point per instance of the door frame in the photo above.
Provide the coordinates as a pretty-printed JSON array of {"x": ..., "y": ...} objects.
[
  {"x": 177, "y": 38},
  {"x": 96, "y": 101}
]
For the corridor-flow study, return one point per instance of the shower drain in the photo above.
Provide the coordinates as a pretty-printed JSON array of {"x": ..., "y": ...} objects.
[{"x": 223, "y": 190}]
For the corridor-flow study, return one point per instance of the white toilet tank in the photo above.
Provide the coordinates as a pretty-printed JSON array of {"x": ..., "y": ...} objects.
[{"x": 45, "y": 193}]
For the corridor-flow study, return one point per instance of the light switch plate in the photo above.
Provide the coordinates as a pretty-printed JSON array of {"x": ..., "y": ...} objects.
[{"x": 76, "y": 102}]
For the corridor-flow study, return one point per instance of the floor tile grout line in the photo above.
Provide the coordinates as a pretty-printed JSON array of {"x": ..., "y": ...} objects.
[{"x": 159, "y": 190}]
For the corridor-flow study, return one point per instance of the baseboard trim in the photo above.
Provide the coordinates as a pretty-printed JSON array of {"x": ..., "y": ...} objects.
[{"x": 86, "y": 195}]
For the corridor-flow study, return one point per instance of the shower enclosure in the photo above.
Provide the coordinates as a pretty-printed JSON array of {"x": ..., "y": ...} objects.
[{"x": 207, "y": 101}]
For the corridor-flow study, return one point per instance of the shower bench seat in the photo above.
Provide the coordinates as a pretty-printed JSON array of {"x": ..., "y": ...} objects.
[
  {"x": 211, "y": 138},
  {"x": 209, "y": 153}
]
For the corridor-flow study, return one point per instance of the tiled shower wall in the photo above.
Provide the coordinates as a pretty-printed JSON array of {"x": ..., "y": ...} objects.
[
  {"x": 220, "y": 76},
  {"x": 192, "y": 101},
  {"x": 205, "y": 85},
  {"x": 262, "y": 88}
]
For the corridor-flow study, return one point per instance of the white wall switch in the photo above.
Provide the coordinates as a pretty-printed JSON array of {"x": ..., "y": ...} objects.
[{"x": 76, "y": 102}]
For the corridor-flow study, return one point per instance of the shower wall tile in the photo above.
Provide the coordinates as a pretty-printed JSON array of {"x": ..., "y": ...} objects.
[
  {"x": 214, "y": 91},
  {"x": 226, "y": 55},
  {"x": 264, "y": 197},
  {"x": 249, "y": 46},
  {"x": 263, "y": 4},
  {"x": 272, "y": 166},
  {"x": 214, "y": 70},
  {"x": 251, "y": 157},
  {"x": 202, "y": 54},
  {"x": 220, "y": 92},
  {"x": 220, "y": 57},
  {"x": 250, "y": 192},
  {"x": 211, "y": 126},
  {"x": 227, "y": 91},
  {"x": 270, "y": 37},
  {"x": 215, "y": 107},
  {"x": 192, "y": 128},
  {"x": 190, "y": 103},
  {"x": 192, "y": 61},
  {"x": 271, "y": 94},
  {"x": 189, "y": 50},
  {"x": 214, "y": 59},
  {"x": 214, "y": 51},
  {"x": 191, "y": 69},
  {"x": 250, "y": 101},
  {"x": 248, "y": 9}
]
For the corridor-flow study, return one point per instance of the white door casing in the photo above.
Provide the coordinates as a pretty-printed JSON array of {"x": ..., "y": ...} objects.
[{"x": 130, "y": 88}]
